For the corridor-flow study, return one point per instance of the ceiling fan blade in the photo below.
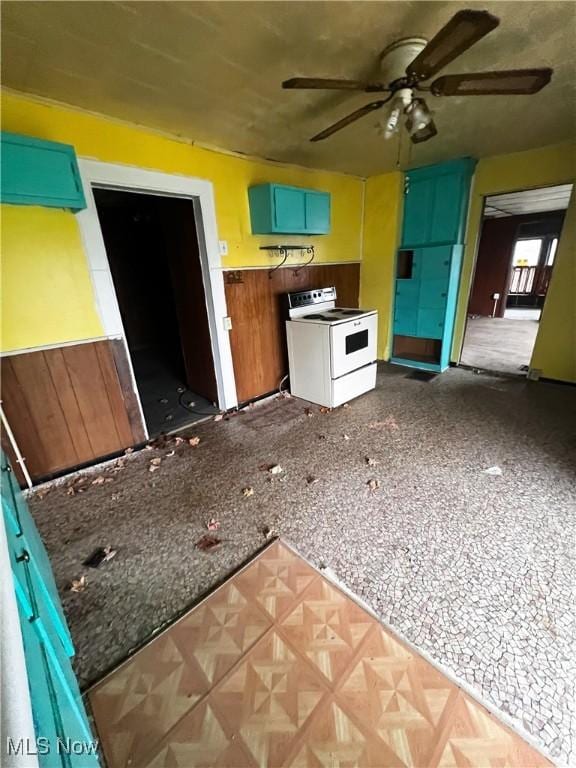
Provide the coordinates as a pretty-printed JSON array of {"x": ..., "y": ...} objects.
[
  {"x": 428, "y": 132},
  {"x": 521, "y": 81},
  {"x": 321, "y": 83},
  {"x": 463, "y": 30},
  {"x": 352, "y": 117}
]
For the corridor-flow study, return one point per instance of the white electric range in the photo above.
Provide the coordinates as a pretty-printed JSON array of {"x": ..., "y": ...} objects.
[{"x": 331, "y": 350}]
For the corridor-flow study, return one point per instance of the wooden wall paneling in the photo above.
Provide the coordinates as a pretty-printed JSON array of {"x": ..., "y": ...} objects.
[
  {"x": 66, "y": 394},
  {"x": 258, "y": 335},
  {"x": 114, "y": 392},
  {"x": 69, "y": 406},
  {"x": 21, "y": 420},
  {"x": 47, "y": 443},
  {"x": 130, "y": 397}
]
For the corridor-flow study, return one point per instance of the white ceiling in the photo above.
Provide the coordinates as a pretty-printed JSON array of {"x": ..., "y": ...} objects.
[
  {"x": 528, "y": 201},
  {"x": 211, "y": 72}
]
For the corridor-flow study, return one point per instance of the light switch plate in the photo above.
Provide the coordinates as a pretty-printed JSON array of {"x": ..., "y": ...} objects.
[
  {"x": 223, "y": 247},
  {"x": 227, "y": 323}
]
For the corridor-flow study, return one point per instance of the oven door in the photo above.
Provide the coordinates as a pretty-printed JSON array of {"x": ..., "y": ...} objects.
[{"x": 353, "y": 344}]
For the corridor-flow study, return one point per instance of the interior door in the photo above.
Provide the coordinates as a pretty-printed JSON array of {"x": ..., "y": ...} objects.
[{"x": 187, "y": 282}]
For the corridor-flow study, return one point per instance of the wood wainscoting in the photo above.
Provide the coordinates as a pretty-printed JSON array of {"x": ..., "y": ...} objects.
[
  {"x": 70, "y": 405},
  {"x": 258, "y": 335}
]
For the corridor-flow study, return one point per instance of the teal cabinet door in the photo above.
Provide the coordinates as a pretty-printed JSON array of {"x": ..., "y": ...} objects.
[
  {"x": 430, "y": 324},
  {"x": 435, "y": 262},
  {"x": 407, "y": 294},
  {"x": 283, "y": 210},
  {"x": 418, "y": 201},
  {"x": 317, "y": 206},
  {"x": 37, "y": 172},
  {"x": 405, "y": 321},
  {"x": 435, "y": 203},
  {"x": 433, "y": 294},
  {"x": 445, "y": 220},
  {"x": 289, "y": 210}
]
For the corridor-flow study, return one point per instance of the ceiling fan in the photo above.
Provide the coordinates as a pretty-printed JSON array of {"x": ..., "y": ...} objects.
[{"x": 408, "y": 62}]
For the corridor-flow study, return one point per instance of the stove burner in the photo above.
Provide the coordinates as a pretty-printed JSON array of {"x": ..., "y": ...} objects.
[
  {"x": 316, "y": 317},
  {"x": 350, "y": 311}
]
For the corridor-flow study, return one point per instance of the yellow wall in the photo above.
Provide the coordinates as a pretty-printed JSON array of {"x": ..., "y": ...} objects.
[
  {"x": 382, "y": 217},
  {"x": 47, "y": 293},
  {"x": 510, "y": 173},
  {"x": 109, "y": 141},
  {"x": 555, "y": 348}
]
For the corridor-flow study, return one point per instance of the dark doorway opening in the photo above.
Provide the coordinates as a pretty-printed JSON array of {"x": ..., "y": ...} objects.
[
  {"x": 152, "y": 248},
  {"x": 516, "y": 253}
]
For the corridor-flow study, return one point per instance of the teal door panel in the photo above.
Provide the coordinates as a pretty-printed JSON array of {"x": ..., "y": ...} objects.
[
  {"x": 317, "y": 212},
  {"x": 38, "y": 172},
  {"x": 41, "y": 697},
  {"x": 446, "y": 209},
  {"x": 405, "y": 321},
  {"x": 23, "y": 537},
  {"x": 435, "y": 262},
  {"x": 57, "y": 706},
  {"x": 430, "y": 323},
  {"x": 407, "y": 293},
  {"x": 433, "y": 293},
  {"x": 289, "y": 210},
  {"x": 418, "y": 201}
]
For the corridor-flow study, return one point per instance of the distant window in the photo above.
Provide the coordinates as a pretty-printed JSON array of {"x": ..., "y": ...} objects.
[
  {"x": 527, "y": 253},
  {"x": 552, "y": 252}
]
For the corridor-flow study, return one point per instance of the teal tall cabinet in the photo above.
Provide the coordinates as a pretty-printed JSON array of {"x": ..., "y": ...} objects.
[
  {"x": 428, "y": 263},
  {"x": 63, "y": 735}
]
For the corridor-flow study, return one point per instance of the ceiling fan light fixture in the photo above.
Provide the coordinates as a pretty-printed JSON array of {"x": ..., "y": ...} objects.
[{"x": 418, "y": 116}]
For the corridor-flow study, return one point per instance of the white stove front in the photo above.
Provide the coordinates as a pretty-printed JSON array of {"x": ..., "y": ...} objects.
[{"x": 331, "y": 350}]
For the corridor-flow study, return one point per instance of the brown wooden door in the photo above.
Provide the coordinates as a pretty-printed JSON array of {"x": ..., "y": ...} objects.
[{"x": 186, "y": 270}]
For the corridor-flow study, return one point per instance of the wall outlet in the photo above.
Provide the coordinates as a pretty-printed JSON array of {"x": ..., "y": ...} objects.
[
  {"x": 223, "y": 247},
  {"x": 227, "y": 323}
]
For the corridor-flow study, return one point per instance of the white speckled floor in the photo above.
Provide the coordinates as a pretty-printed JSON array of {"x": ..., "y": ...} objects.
[{"x": 476, "y": 570}]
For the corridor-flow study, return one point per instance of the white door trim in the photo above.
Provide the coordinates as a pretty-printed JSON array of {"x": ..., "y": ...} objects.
[{"x": 129, "y": 178}]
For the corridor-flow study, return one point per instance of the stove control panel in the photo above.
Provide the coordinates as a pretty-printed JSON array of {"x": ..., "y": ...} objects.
[{"x": 308, "y": 298}]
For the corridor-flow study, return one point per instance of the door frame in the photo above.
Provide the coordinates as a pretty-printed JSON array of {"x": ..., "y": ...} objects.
[{"x": 97, "y": 174}]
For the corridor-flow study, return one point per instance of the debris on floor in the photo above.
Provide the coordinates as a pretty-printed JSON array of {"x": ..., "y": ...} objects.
[
  {"x": 249, "y": 491},
  {"x": 219, "y": 417},
  {"x": 345, "y": 437},
  {"x": 311, "y": 480},
  {"x": 207, "y": 543},
  {"x": 99, "y": 556},
  {"x": 267, "y": 532},
  {"x": 388, "y": 423},
  {"x": 494, "y": 471},
  {"x": 100, "y": 480},
  {"x": 275, "y": 469},
  {"x": 79, "y": 585},
  {"x": 194, "y": 441},
  {"x": 373, "y": 484},
  {"x": 154, "y": 464},
  {"x": 308, "y": 412},
  {"x": 213, "y": 524},
  {"x": 324, "y": 409},
  {"x": 370, "y": 461}
]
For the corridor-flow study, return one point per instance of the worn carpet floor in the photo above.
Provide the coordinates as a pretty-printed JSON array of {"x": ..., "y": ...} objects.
[
  {"x": 476, "y": 570},
  {"x": 278, "y": 667},
  {"x": 499, "y": 344}
]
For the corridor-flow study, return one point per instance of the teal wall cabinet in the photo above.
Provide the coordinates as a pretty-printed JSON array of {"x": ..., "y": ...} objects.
[
  {"x": 435, "y": 203},
  {"x": 279, "y": 209},
  {"x": 57, "y": 708},
  {"x": 429, "y": 262},
  {"x": 38, "y": 172}
]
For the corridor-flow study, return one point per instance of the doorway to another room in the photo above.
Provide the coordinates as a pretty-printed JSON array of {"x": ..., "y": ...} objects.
[
  {"x": 152, "y": 247},
  {"x": 516, "y": 254}
]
